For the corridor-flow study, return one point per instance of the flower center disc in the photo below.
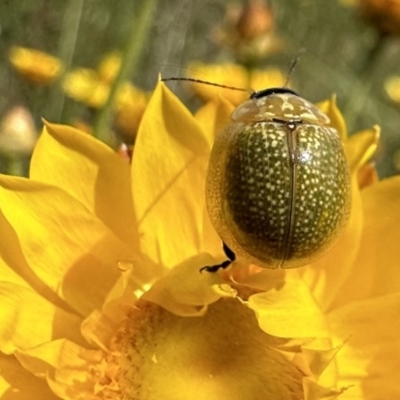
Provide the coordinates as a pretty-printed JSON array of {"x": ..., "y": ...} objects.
[{"x": 221, "y": 355}]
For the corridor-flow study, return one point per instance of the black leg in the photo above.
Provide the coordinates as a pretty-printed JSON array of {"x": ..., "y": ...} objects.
[
  {"x": 228, "y": 252},
  {"x": 214, "y": 268}
]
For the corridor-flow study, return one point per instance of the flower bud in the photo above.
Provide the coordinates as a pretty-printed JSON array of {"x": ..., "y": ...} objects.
[
  {"x": 384, "y": 15},
  {"x": 248, "y": 32},
  {"x": 255, "y": 20},
  {"x": 17, "y": 133}
]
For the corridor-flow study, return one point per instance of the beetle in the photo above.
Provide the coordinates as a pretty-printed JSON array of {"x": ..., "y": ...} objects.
[{"x": 278, "y": 184}]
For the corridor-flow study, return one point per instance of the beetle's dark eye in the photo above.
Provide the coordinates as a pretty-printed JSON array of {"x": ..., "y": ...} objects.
[{"x": 266, "y": 92}]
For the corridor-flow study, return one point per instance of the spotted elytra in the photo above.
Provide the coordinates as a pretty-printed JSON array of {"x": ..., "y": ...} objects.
[{"x": 278, "y": 184}]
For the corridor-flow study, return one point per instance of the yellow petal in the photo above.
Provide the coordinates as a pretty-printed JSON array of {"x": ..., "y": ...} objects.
[
  {"x": 70, "y": 369},
  {"x": 14, "y": 267},
  {"x": 16, "y": 383},
  {"x": 326, "y": 276},
  {"x": 97, "y": 329},
  {"x": 184, "y": 290},
  {"x": 369, "y": 359},
  {"x": 361, "y": 147},
  {"x": 214, "y": 116},
  {"x": 27, "y": 320},
  {"x": 61, "y": 241},
  {"x": 100, "y": 326},
  {"x": 313, "y": 391},
  {"x": 367, "y": 176},
  {"x": 289, "y": 311},
  {"x": 168, "y": 174},
  {"x": 376, "y": 269},
  {"x": 211, "y": 242},
  {"x": 330, "y": 108},
  {"x": 89, "y": 171},
  {"x": 51, "y": 355}
]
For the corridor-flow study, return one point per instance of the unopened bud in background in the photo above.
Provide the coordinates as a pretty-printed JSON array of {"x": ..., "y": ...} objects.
[
  {"x": 255, "y": 20},
  {"x": 248, "y": 32},
  {"x": 384, "y": 15},
  {"x": 18, "y": 134}
]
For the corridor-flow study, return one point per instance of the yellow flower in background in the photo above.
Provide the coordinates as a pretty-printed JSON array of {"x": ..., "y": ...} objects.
[
  {"x": 102, "y": 297},
  {"x": 84, "y": 85},
  {"x": 392, "y": 87},
  {"x": 130, "y": 106},
  {"x": 109, "y": 66},
  {"x": 35, "y": 65},
  {"x": 232, "y": 75},
  {"x": 92, "y": 87}
]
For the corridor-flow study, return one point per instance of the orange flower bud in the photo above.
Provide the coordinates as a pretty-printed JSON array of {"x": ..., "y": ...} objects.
[
  {"x": 255, "y": 20},
  {"x": 383, "y": 14}
]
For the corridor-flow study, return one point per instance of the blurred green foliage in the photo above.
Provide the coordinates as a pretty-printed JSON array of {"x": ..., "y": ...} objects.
[{"x": 343, "y": 54}]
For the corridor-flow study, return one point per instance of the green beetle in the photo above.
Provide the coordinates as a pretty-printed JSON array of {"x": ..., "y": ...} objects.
[{"x": 278, "y": 184}]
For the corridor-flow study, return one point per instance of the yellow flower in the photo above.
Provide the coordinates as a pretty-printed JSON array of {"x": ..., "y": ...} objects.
[
  {"x": 92, "y": 87},
  {"x": 130, "y": 107},
  {"x": 35, "y": 65},
  {"x": 392, "y": 86},
  {"x": 109, "y": 66},
  {"x": 102, "y": 297},
  {"x": 232, "y": 75},
  {"x": 84, "y": 85}
]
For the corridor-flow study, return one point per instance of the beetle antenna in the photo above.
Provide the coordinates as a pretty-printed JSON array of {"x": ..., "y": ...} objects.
[
  {"x": 208, "y": 83},
  {"x": 292, "y": 66}
]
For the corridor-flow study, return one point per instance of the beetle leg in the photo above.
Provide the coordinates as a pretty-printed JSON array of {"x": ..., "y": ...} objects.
[
  {"x": 214, "y": 268},
  {"x": 228, "y": 252}
]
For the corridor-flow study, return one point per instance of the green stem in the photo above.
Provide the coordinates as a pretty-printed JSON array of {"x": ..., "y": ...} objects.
[
  {"x": 66, "y": 48},
  {"x": 14, "y": 166},
  {"x": 136, "y": 42},
  {"x": 360, "y": 91}
]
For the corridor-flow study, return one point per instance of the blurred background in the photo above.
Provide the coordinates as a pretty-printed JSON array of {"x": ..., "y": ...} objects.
[{"x": 92, "y": 63}]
